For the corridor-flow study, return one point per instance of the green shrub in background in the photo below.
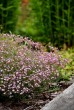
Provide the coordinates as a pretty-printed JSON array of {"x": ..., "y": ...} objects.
[
  {"x": 8, "y": 15},
  {"x": 33, "y": 25},
  {"x": 50, "y": 21}
]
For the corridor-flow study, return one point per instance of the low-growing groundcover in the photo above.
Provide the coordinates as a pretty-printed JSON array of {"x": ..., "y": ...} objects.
[
  {"x": 25, "y": 67},
  {"x": 69, "y": 54}
]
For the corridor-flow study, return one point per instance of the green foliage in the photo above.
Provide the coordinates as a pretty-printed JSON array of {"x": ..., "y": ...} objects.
[
  {"x": 8, "y": 15},
  {"x": 50, "y": 21},
  {"x": 69, "y": 69}
]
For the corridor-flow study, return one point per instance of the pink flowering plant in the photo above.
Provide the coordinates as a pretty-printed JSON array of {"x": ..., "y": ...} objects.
[{"x": 23, "y": 69}]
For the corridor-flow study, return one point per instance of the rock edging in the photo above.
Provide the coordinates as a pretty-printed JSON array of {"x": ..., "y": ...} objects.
[{"x": 64, "y": 101}]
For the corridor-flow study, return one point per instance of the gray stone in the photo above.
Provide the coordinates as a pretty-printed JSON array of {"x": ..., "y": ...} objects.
[{"x": 64, "y": 101}]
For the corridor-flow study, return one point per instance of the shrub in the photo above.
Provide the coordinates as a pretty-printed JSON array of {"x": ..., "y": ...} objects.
[
  {"x": 9, "y": 13},
  {"x": 23, "y": 69},
  {"x": 49, "y": 20}
]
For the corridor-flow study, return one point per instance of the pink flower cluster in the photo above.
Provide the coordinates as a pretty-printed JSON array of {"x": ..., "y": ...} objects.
[{"x": 22, "y": 69}]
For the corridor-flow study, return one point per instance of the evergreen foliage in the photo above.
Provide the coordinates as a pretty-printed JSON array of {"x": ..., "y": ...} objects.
[
  {"x": 51, "y": 21},
  {"x": 8, "y": 15}
]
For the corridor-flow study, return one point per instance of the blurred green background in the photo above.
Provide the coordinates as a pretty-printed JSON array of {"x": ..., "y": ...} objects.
[{"x": 42, "y": 20}]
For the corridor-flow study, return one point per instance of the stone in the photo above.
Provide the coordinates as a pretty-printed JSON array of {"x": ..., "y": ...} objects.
[{"x": 64, "y": 101}]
